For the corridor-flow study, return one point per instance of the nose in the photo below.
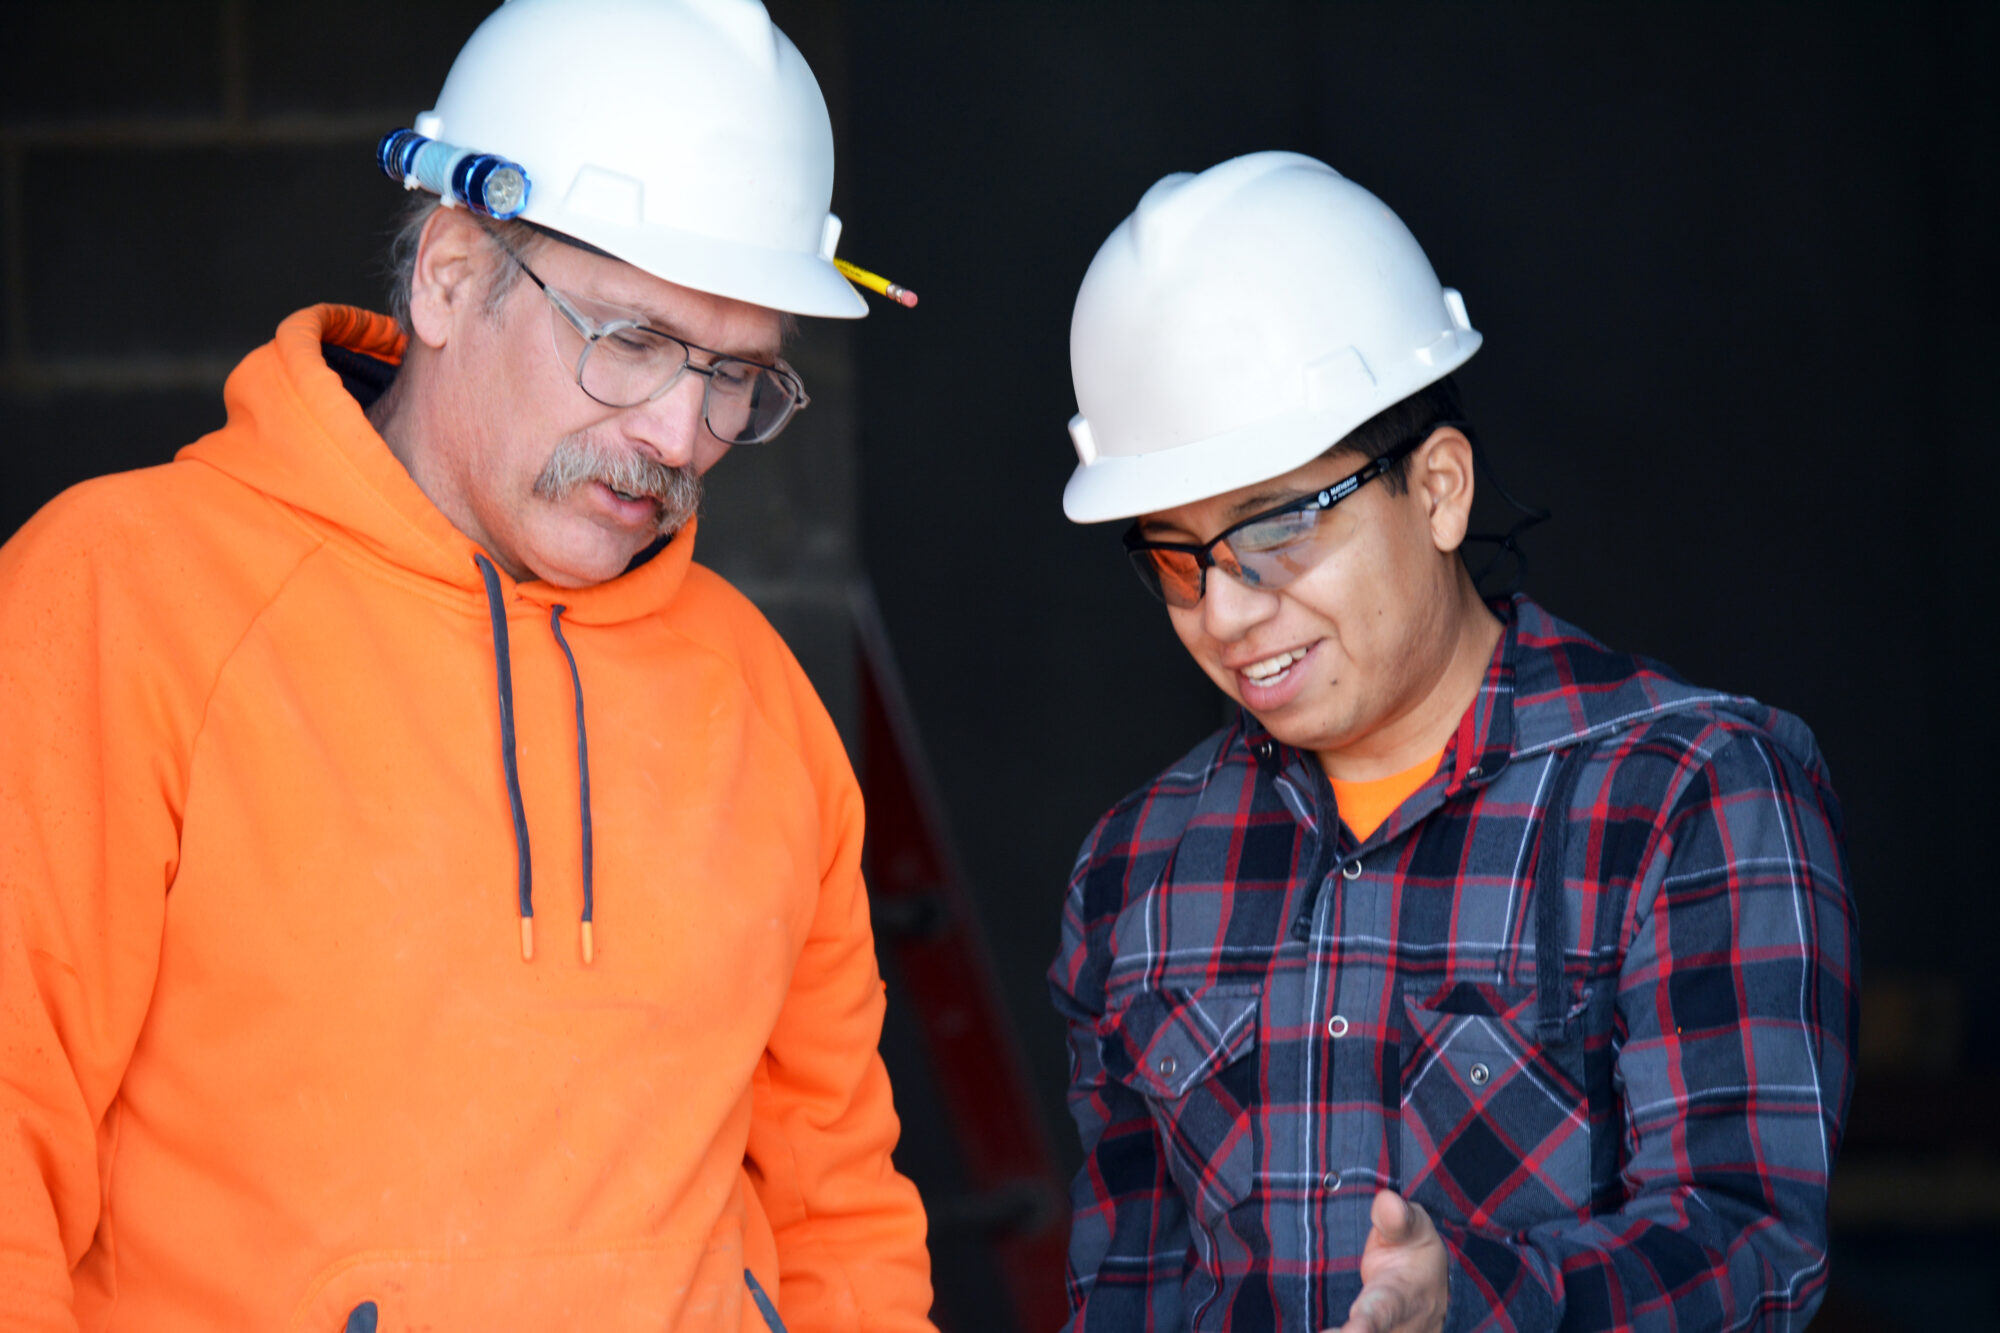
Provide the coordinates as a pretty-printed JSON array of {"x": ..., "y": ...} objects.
[
  {"x": 1230, "y": 608},
  {"x": 669, "y": 428}
]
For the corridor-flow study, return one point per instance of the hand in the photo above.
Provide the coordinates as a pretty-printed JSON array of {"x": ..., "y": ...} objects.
[{"x": 1405, "y": 1272}]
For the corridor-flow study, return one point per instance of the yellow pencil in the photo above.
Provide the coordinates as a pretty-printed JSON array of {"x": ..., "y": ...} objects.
[{"x": 875, "y": 282}]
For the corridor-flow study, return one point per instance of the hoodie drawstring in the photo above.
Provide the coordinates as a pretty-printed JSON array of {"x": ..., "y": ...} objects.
[
  {"x": 582, "y": 777},
  {"x": 496, "y": 611}
]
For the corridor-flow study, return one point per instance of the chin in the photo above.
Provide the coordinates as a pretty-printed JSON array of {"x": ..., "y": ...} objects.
[
  {"x": 1305, "y": 730},
  {"x": 586, "y": 558},
  {"x": 583, "y": 571}
]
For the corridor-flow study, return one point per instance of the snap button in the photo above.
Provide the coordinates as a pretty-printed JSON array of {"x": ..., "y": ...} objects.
[
  {"x": 1336, "y": 1026},
  {"x": 1472, "y": 772},
  {"x": 1352, "y": 870},
  {"x": 1330, "y": 1182},
  {"x": 1168, "y": 1065},
  {"x": 1479, "y": 1074},
  {"x": 1263, "y": 749}
]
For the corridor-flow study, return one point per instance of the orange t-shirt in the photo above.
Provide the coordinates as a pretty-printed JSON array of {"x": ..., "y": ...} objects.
[{"x": 1364, "y": 805}]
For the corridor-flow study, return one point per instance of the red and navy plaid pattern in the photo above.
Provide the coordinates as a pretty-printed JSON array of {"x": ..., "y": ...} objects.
[{"x": 1618, "y": 1096}]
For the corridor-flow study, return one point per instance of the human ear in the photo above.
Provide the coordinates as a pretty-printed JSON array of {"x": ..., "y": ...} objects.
[
  {"x": 1441, "y": 470},
  {"x": 445, "y": 284}
]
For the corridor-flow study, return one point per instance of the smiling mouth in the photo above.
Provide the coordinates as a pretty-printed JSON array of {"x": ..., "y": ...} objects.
[{"x": 1273, "y": 669}]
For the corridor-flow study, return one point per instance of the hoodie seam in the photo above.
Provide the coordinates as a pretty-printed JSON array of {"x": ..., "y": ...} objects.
[
  {"x": 288, "y": 385},
  {"x": 331, "y": 1273},
  {"x": 772, "y": 647},
  {"x": 222, "y": 669},
  {"x": 467, "y": 600},
  {"x": 797, "y": 745}
]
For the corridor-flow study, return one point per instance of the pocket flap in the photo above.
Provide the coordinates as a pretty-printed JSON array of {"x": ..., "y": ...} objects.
[
  {"x": 1487, "y": 999},
  {"x": 1506, "y": 1006},
  {"x": 1163, "y": 1043}
]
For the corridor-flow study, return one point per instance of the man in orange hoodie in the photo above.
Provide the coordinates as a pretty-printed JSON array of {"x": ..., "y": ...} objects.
[{"x": 311, "y": 734}]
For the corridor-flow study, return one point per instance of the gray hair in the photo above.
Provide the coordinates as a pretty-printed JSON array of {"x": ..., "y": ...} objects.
[
  {"x": 521, "y": 238},
  {"x": 408, "y": 238}
]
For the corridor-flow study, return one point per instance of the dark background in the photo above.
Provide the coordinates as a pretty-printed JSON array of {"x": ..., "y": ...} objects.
[{"x": 1734, "y": 265}]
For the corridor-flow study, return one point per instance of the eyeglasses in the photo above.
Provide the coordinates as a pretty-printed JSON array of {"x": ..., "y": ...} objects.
[
  {"x": 622, "y": 362},
  {"x": 1267, "y": 550}
]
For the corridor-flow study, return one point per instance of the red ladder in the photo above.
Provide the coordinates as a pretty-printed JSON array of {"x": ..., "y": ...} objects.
[{"x": 923, "y": 911}]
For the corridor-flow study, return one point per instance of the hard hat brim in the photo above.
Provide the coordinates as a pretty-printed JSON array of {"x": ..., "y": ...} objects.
[
  {"x": 1113, "y": 486},
  {"x": 788, "y": 281}
]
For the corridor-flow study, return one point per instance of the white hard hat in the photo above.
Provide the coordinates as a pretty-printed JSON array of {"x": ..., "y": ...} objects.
[
  {"x": 1238, "y": 325},
  {"x": 686, "y": 137}
]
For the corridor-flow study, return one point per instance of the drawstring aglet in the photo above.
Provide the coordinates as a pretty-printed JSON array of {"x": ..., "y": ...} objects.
[
  {"x": 527, "y": 939},
  {"x": 589, "y": 945}
]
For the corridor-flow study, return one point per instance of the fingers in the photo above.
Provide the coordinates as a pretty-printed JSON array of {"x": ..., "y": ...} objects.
[
  {"x": 1390, "y": 1215},
  {"x": 1397, "y": 1221},
  {"x": 1375, "y": 1310},
  {"x": 1405, "y": 1271}
]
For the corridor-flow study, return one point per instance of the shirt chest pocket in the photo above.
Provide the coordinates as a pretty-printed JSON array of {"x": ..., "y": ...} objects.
[
  {"x": 1191, "y": 1056},
  {"x": 1495, "y": 1124}
]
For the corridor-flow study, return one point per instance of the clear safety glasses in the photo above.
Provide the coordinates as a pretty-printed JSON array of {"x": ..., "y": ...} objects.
[
  {"x": 1266, "y": 550},
  {"x": 621, "y": 362}
]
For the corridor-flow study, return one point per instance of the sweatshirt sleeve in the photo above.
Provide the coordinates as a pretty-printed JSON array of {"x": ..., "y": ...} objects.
[
  {"x": 90, "y": 789},
  {"x": 849, "y": 1227},
  {"x": 1738, "y": 999}
]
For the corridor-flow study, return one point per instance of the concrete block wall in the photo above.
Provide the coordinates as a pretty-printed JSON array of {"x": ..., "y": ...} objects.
[{"x": 176, "y": 176}]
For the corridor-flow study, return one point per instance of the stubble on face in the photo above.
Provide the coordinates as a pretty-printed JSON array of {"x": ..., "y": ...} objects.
[
  {"x": 580, "y": 459},
  {"x": 1377, "y": 612}
]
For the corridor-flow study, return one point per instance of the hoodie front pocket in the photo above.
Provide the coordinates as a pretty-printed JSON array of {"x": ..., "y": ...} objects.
[{"x": 612, "y": 1290}]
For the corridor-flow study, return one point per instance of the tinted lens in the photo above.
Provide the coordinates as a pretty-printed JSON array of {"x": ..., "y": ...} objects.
[{"x": 1172, "y": 576}]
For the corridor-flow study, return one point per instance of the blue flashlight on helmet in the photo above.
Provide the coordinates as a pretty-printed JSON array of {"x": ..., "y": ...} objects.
[{"x": 483, "y": 183}]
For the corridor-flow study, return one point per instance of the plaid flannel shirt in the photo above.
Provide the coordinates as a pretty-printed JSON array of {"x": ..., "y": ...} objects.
[{"x": 1609, "y": 1052}]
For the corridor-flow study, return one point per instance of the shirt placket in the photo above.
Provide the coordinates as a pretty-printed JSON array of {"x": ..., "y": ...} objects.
[
  {"x": 1342, "y": 1007},
  {"x": 1354, "y": 1029},
  {"x": 1341, "y": 1058},
  {"x": 1294, "y": 1118}
]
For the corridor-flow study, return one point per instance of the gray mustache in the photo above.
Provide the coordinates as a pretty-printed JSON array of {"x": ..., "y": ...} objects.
[{"x": 579, "y": 461}]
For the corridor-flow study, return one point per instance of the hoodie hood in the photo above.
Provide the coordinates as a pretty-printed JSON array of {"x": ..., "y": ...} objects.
[{"x": 295, "y": 434}]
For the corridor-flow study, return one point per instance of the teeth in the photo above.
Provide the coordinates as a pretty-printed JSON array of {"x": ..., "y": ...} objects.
[{"x": 1273, "y": 666}]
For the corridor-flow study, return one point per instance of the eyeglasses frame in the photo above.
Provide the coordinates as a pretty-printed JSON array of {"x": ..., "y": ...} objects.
[
  {"x": 591, "y": 331},
  {"x": 1204, "y": 552}
]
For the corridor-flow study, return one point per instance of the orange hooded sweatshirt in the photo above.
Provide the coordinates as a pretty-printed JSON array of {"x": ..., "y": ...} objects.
[{"x": 269, "y": 1050}]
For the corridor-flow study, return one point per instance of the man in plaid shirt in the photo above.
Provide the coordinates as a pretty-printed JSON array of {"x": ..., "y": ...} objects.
[{"x": 1476, "y": 976}]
